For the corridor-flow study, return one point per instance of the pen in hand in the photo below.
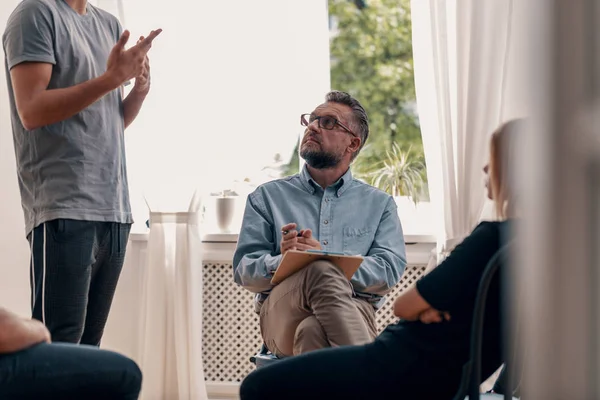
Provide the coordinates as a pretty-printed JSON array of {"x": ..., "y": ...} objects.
[{"x": 283, "y": 233}]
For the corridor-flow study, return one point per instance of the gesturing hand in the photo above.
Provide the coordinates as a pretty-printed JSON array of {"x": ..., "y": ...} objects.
[
  {"x": 142, "y": 81},
  {"x": 124, "y": 65}
]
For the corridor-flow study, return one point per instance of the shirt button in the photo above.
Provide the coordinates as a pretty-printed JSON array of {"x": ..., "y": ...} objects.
[
  {"x": 327, "y": 199},
  {"x": 325, "y": 222},
  {"x": 325, "y": 242}
]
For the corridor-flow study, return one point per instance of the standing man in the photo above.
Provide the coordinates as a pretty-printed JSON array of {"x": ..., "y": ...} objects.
[
  {"x": 321, "y": 208},
  {"x": 66, "y": 65}
]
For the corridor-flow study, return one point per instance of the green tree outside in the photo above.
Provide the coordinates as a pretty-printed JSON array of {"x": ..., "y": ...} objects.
[{"x": 371, "y": 58}]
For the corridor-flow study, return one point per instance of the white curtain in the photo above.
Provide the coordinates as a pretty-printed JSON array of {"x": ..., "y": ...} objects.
[
  {"x": 462, "y": 50},
  {"x": 171, "y": 320}
]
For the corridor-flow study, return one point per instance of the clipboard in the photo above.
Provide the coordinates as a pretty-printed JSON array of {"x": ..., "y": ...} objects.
[{"x": 295, "y": 260}]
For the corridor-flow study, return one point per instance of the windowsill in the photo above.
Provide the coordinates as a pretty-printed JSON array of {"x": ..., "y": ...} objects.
[
  {"x": 233, "y": 238},
  {"x": 417, "y": 223},
  {"x": 218, "y": 246},
  {"x": 221, "y": 246}
]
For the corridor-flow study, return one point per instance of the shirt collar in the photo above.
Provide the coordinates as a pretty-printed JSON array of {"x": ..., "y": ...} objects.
[{"x": 341, "y": 185}]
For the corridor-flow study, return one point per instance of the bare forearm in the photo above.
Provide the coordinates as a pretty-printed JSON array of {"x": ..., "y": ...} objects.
[
  {"x": 51, "y": 106},
  {"x": 132, "y": 106},
  {"x": 410, "y": 304},
  {"x": 17, "y": 333}
]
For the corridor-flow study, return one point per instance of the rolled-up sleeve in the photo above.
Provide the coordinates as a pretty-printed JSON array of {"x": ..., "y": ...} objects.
[{"x": 384, "y": 265}]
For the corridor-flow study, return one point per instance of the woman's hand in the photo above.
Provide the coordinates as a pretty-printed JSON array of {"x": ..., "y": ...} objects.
[{"x": 432, "y": 315}]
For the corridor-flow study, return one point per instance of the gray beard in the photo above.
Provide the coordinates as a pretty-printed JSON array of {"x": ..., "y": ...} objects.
[{"x": 320, "y": 159}]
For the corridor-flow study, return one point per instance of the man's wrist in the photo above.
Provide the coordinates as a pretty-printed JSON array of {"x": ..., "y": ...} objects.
[
  {"x": 111, "y": 80},
  {"x": 141, "y": 92}
]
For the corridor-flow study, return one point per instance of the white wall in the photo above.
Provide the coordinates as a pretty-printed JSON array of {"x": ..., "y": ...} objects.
[
  {"x": 14, "y": 268},
  {"x": 229, "y": 82}
]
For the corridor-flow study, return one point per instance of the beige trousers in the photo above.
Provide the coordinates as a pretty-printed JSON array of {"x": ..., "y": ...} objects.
[{"x": 313, "y": 309}]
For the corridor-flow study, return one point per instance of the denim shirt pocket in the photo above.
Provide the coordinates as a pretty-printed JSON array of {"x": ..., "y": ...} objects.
[{"x": 357, "y": 240}]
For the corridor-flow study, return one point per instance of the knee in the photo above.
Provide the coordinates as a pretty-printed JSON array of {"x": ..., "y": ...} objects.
[
  {"x": 322, "y": 268},
  {"x": 309, "y": 328},
  {"x": 131, "y": 373},
  {"x": 309, "y": 336},
  {"x": 136, "y": 377},
  {"x": 135, "y": 374}
]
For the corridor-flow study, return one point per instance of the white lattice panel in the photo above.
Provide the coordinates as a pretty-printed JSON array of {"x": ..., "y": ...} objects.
[
  {"x": 385, "y": 316},
  {"x": 231, "y": 331}
]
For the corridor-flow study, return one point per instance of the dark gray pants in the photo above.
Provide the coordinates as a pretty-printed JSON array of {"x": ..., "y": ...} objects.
[
  {"x": 65, "y": 371},
  {"x": 75, "y": 267}
]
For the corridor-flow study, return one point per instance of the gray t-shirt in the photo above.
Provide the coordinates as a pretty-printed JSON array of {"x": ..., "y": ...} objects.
[{"x": 76, "y": 168}]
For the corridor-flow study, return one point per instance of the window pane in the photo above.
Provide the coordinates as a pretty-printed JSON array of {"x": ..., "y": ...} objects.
[{"x": 371, "y": 58}]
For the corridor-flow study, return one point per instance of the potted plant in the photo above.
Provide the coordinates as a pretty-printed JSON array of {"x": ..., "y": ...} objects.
[{"x": 399, "y": 173}]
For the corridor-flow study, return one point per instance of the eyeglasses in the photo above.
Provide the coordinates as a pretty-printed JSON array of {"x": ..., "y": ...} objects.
[{"x": 325, "y": 122}]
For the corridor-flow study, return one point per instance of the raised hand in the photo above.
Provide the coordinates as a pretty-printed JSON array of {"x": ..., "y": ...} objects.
[
  {"x": 124, "y": 65},
  {"x": 142, "y": 81}
]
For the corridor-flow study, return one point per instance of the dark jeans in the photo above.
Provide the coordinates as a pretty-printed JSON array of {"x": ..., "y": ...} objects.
[
  {"x": 75, "y": 267},
  {"x": 385, "y": 369},
  {"x": 66, "y": 371}
]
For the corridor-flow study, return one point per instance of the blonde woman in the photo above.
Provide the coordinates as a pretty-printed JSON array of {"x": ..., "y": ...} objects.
[{"x": 421, "y": 356}]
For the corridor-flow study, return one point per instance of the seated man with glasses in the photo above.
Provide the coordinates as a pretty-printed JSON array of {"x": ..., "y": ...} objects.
[
  {"x": 33, "y": 368},
  {"x": 322, "y": 208}
]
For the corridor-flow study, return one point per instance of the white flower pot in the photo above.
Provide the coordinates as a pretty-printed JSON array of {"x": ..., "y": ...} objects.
[{"x": 225, "y": 211}]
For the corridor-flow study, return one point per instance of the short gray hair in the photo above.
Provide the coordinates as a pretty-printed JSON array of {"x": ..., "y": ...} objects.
[{"x": 360, "y": 119}]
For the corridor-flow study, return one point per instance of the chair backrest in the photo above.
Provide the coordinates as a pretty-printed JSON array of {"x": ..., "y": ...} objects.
[{"x": 471, "y": 376}]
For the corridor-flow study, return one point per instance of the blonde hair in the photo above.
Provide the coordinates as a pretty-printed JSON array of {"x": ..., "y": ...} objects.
[{"x": 502, "y": 148}]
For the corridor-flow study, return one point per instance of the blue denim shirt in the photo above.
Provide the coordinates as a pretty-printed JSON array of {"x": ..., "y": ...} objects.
[{"x": 348, "y": 216}]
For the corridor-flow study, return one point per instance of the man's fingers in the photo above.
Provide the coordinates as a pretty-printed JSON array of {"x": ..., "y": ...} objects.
[
  {"x": 123, "y": 39},
  {"x": 147, "y": 42},
  {"x": 291, "y": 235},
  {"x": 307, "y": 233},
  {"x": 144, "y": 45},
  {"x": 310, "y": 242},
  {"x": 144, "y": 73},
  {"x": 288, "y": 227},
  {"x": 303, "y": 247},
  {"x": 288, "y": 246},
  {"x": 289, "y": 241}
]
